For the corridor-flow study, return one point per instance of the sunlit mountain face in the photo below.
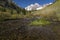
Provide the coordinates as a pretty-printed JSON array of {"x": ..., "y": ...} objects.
[{"x": 25, "y": 3}]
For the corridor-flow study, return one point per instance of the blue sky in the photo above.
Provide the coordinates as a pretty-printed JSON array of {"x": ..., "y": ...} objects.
[{"x": 24, "y": 3}]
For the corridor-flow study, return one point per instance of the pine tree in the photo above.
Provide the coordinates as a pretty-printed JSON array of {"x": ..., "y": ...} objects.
[{"x": 24, "y": 12}]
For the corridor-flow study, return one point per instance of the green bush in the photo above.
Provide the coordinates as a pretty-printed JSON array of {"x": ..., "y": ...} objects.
[
  {"x": 11, "y": 11},
  {"x": 3, "y": 9},
  {"x": 4, "y": 16}
]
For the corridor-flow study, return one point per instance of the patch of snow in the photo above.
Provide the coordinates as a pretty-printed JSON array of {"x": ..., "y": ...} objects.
[{"x": 39, "y": 8}]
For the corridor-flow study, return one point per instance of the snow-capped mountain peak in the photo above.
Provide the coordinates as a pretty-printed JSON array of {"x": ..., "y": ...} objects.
[{"x": 36, "y": 6}]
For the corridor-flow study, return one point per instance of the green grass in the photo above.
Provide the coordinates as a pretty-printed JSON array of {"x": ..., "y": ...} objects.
[{"x": 40, "y": 22}]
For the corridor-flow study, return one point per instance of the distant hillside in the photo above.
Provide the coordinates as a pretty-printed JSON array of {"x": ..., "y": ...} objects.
[
  {"x": 52, "y": 11},
  {"x": 10, "y": 10}
]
